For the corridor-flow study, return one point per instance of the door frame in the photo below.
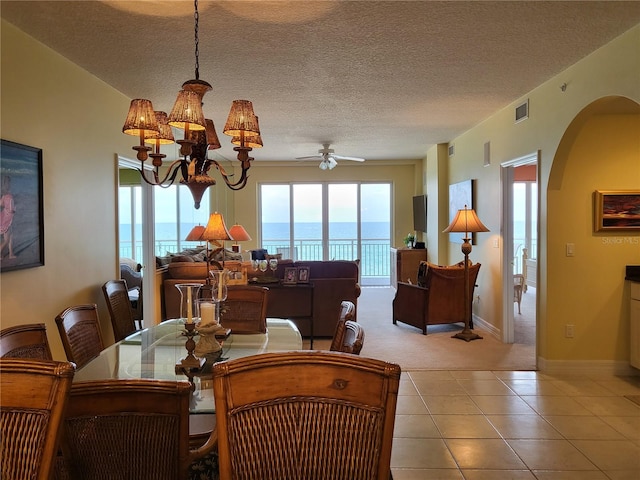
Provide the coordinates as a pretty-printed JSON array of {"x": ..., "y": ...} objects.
[
  {"x": 150, "y": 310},
  {"x": 506, "y": 179}
]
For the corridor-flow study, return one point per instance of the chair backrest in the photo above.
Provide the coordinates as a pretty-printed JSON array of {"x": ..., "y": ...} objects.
[
  {"x": 79, "y": 329},
  {"x": 131, "y": 276},
  {"x": 245, "y": 309},
  {"x": 446, "y": 290},
  {"x": 347, "y": 310},
  {"x": 117, "y": 297},
  {"x": 33, "y": 397},
  {"x": 128, "y": 428},
  {"x": 348, "y": 337},
  {"x": 321, "y": 415},
  {"x": 25, "y": 341}
]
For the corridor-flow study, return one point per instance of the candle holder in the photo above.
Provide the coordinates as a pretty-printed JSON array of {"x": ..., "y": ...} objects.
[{"x": 191, "y": 362}]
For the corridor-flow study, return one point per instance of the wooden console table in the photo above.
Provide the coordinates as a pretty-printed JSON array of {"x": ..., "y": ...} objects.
[{"x": 404, "y": 264}]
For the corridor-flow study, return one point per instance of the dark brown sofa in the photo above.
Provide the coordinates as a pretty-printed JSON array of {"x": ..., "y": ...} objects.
[{"x": 332, "y": 281}]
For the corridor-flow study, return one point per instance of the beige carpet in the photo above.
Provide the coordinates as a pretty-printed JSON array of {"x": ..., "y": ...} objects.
[{"x": 407, "y": 346}]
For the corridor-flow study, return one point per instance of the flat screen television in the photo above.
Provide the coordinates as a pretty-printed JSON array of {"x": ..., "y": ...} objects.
[{"x": 420, "y": 213}]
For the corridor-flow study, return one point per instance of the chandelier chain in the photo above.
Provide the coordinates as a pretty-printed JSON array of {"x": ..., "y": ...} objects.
[{"x": 196, "y": 17}]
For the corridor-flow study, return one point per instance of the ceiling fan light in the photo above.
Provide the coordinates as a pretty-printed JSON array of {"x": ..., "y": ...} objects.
[
  {"x": 332, "y": 163},
  {"x": 323, "y": 165}
]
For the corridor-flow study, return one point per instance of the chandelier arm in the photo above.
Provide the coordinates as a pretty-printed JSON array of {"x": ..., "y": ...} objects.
[
  {"x": 240, "y": 184},
  {"x": 169, "y": 178}
]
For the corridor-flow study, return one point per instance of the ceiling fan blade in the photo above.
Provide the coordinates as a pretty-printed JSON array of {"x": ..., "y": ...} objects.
[
  {"x": 353, "y": 159},
  {"x": 312, "y": 157}
]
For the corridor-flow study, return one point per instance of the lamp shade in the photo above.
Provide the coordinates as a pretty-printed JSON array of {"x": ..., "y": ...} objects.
[
  {"x": 251, "y": 140},
  {"x": 466, "y": 221},
  {"x": 187, "y": 111},
  {"x": 215, "y": 229},
  {"x": 164, "y": 136},
  {"x": 195, "y": 235},
  {"x": 212, "y": 137},
  {"x": 239, "y": 234},
  {"x": 141, "y": 119},
  {"x": 241, "y": 119}
]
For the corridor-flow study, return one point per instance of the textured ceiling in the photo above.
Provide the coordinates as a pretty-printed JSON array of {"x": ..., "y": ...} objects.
[{"x": 379, "y": 80}]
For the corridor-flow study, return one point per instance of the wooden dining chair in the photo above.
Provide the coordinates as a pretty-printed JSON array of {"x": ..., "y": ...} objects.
[
  {"x": 117, "y": 296},
  {"x": 347, "y": 310},
  {"x": 305, "y": 415},
  {"x": 25, "y": 341},
  {"x": 129, "y": 429},
  {"x": 79, "y": 329},
  {"x": 348, "y": 337},
  {"x": 34, "y": 394},
  {"x": 245, "y": 309}
]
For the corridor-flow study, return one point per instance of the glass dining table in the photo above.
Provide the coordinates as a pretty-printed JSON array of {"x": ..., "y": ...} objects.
[{"x": 154, "y": 352}]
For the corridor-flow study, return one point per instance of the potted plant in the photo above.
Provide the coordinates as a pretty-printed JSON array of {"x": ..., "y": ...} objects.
[{"x": 409, "y": 240}]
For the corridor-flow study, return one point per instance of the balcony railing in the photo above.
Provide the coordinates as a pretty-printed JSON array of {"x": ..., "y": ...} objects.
[{"x": 375, "y": 261}]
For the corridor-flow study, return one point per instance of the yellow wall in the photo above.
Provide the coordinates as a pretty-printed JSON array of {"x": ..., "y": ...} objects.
[
  {"x": 587, "y": 290},
  {"x": 49, "y": 103},
  {"x": 613, "y": 70}
]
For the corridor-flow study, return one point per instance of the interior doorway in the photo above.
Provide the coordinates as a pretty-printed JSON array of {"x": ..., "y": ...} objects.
[
  {"x": 127, "y": 212},
  {"x": 520, "y": 187}
]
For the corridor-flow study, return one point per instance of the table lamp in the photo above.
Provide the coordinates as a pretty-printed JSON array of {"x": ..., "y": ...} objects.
[
  {"x": 466, "y": 221},
  {"x": 239, "y": 234}
]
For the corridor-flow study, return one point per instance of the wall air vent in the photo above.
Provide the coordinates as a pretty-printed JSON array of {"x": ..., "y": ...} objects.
[
  {"x": 522, "y": 111},
  {"x": 451, "y": 150}
]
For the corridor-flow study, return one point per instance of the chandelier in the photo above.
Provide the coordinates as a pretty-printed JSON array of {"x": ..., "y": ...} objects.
[{"x": 154, "y": 129}]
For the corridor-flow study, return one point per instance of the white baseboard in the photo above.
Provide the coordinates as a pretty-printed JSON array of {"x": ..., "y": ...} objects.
[
  {"x": 487, "y": 327},
  {"x": 587, "y": 367},
  {"x": 570, "y": 367}
]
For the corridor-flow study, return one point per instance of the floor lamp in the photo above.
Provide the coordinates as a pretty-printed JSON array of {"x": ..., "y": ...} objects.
[{"x": 466, "y": 221}]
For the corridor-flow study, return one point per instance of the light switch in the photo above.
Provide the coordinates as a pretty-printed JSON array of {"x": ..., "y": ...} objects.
[{"x": 570, "y": 249}]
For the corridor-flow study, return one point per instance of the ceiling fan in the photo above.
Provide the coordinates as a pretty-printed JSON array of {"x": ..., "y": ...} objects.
[{"x": 328, "y": 159}]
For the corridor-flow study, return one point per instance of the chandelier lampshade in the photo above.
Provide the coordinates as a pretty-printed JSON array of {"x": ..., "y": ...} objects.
[
  {"x": 141, "y": 118},
  {"x": 251, "y": 140},
  {"x": 187, "y": 112},
  {"x": 241, "y": 119},
  {"x": 164, "y": 135},
  {"x": 213, "y": 142}
]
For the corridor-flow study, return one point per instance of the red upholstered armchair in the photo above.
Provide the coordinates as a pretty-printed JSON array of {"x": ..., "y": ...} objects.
[{"x": 439, "y": 297}]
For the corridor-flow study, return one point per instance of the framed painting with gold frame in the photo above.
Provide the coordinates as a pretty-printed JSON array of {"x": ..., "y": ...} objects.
[{"x": 616, "y": 210}]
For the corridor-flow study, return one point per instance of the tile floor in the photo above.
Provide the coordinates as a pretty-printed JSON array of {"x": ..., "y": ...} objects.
[{"x": 479, "y": 425}]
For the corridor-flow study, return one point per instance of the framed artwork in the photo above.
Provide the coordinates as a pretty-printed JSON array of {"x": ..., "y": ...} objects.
[
  {"x": 303, "y": 274},
  {"x": 290, "y": 276},
  {"x": 617, "y": 210},
  {"x": 21, "y": 207},
  {"x": 460, "y": 194}
]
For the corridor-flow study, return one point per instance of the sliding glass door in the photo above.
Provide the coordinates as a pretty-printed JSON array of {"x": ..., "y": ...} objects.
[{"x": 330, "y": 221}]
